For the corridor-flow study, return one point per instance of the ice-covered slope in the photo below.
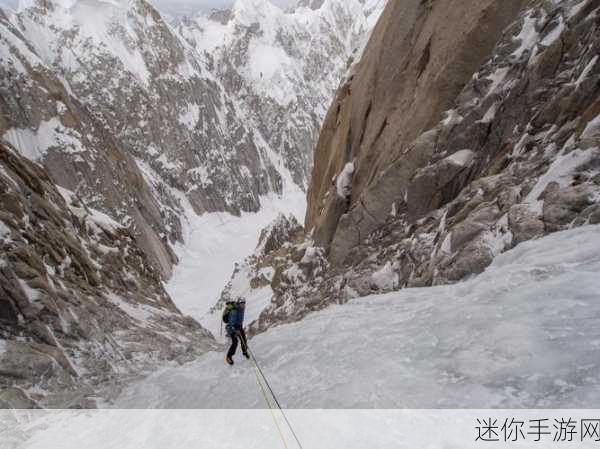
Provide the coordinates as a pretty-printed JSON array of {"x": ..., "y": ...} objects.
[{"x": 522, "y": 334}]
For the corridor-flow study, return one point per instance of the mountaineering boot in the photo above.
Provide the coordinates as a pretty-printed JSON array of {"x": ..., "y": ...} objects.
[
  {"x": 229, "y": 360},
  {"x": 246, "y": 355}
]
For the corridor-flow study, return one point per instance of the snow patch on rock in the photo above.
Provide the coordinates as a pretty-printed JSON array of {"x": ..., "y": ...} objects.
[
  {"x": 190, "y": 116},
  {"x": 586, "y": 71},
  {"x": 561, "y": 171},
  {"x": 461, "y": 158},
  {"x": 592, "y": 129},
  {"x": 528, "y": 35},
  {"x": 344, "y": 181},
  {"x": 4, "y": 230},
  {"x": 386, "y": 277},
  {"x": 35, "y": 143}
]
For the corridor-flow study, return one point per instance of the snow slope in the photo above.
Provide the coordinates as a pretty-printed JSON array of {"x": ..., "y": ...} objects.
[
  {"x": 523, "y": 334},
  {"x": 213, "y": 244}
]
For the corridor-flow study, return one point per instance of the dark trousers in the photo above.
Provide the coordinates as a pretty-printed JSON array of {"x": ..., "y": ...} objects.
[{"x": 241, "y": 335}]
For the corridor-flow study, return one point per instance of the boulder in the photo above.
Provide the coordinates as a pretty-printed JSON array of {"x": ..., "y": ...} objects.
[
  {"x": 23, "y": 362},
  {"x": 562, "y": 205},
  {"x": 524, "y": 223},
  {"x": 438, "y": 183},
  {"x": 16, "y": 398}
]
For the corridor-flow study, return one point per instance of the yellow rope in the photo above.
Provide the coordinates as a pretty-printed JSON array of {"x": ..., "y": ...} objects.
[{"x": 262, "y": 388}]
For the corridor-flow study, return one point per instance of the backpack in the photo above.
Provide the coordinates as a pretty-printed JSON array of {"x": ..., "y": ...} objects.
[{"x": 229, "y": 306}]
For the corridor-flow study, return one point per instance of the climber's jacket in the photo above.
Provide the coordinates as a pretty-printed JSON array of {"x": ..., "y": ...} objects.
[{"x": 236, "y": 320}]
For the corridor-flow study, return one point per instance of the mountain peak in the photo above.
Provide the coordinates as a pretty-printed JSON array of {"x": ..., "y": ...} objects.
[
  {"x": 311, "y": 4},
  {"x": 222, "y": 16},
  {"x": 253, "y": 9}
]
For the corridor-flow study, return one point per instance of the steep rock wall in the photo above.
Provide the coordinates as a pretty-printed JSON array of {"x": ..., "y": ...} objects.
[
  {"x": 81, "y": 309},
  {"x": 421, "y": 55}
]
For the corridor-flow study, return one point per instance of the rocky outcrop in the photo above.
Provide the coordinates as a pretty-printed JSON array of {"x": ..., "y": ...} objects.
[
  {"x": 471, "y": 128},
  {"x": 46, "y": 122},
  {"x": 182, "y": 122},
  {"x": 262, "y": 273},
  {"x": 81, "y": 308}
]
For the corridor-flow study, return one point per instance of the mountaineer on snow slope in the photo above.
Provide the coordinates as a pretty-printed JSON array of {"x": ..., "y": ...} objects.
[{"x": 233, "y": 316}]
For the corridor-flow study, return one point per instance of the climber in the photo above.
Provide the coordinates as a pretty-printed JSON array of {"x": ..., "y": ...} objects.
[{"x": 233, "y": 315}]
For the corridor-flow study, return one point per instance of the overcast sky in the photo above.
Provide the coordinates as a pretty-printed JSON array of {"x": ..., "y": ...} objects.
[
  {"x": 10, "y": 3},
  {"x": 177, "y": 7},
  {"x": 187, "y": 7},
  {"x": 206, "y": 4}
]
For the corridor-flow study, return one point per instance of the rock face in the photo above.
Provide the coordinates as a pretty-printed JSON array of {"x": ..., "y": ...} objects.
[
  {"x": 180, "y": 121},
  {"x": 470, "y": 127},
  {"x": 42, "y": 118},
  {"x": 379, "y": 113},
  {"x": 80, "y": 306}
]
